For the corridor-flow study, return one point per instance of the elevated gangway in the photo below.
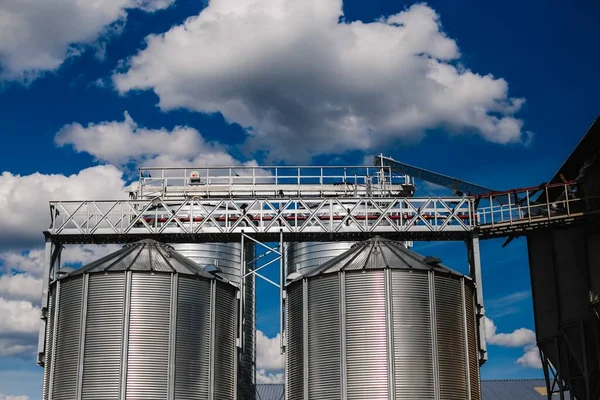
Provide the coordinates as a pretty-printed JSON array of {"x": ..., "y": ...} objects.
[{"x": 324, "y": 210}]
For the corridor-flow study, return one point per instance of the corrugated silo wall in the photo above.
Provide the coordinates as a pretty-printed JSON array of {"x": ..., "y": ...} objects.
[
  {"x": 138, "y": 335},
  {"x": 564, "y": 266},
  {"x": 228, "y": 258},
  {"x": 368, "y": 334}
]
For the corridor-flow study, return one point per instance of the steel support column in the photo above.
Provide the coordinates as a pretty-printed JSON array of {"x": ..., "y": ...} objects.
[
  {"x": 51, "y": 265},
  {"x": 474, "y": 258}
]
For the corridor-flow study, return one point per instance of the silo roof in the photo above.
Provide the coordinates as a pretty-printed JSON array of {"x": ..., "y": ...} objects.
[
  {"x": 380, "y": 253},
  {"x": 145, "y": 256}
]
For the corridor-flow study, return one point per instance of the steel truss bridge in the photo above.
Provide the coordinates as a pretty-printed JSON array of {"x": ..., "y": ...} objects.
[{"x": 269, "y": 205}]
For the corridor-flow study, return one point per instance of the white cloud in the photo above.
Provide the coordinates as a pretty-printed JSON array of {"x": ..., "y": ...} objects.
[
  {"x": 268, "y": 354},
  {"x": 263, "y": 376},
  {"x": 21, "y": 287},
  {"x": 18, "y": 317},
  {"x": 303, "y": 83},
  {"x": 518, "y": 338},
  {"x": 123, "y": 142},
  {"x": 7, "y": 397},
  {"x": 531, "y": 358},
  {"x": 521, "y": 337},
  {"x": 38, "y": 36},
  {"x": 24, "y": 200}
]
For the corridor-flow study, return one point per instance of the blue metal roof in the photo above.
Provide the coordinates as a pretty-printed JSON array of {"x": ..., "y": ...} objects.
[
  {"x": 270, "y": 391},
  {"x": 521, "y": 389}
]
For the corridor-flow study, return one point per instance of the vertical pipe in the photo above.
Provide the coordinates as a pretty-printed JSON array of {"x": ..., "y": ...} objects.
[
  {"x": 305, "y": 317},
  {"x": 212, "y": 344},
  {"x": 44, "y": 307},
  {"x": 343, "y": 369},
  {"x": 434, "y": 342},
  {"x": 281, "y": 290},
  {"x": 53, "y": 344},
  {"x": 82, "y": 329},
  {"x": 389, "y": 326},
  {"x": 242, "y": 293},
  {"x": 466, "y": 337},
  {"x": 474, "y": 258},
  {"x": 172, "y": 337},
  {"x": 125, "y": 348}
]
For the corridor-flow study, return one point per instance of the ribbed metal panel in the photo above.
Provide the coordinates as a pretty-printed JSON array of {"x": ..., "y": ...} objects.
[
  {"x": 226, "y": 256},
  {"x": 324, "y": 335},
  {"x": 473, "y": 345},
  {"x": 295, "y": 343},
  {"x": 225, "y": 350},
  {"x": 147, "y": 371},
  {"x": 304, "y": 256},
  {"x": 193, "y": 339},
  {"x": 48, "y": 345},
  {"x": 451, "y": 339},
  {"x": 67, "y": 340},
  {"x": 366, "y": 336},
  {"x": 104, "y": 336},
  {"x": 413, "y": 353}
]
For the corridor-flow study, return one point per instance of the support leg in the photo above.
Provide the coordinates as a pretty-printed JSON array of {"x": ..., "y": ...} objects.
[
  {"x": 474, "y": 258},
  {"x": 51, "y": 265}
]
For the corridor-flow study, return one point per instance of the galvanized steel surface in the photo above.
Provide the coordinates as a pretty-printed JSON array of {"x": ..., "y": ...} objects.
[
  {"x": 143, "y": 335},
  {"x": 295, "y": 343},
  {"x": 66, "y": 353},
  {"x": 145, "y": 256},
  {"x": 452, "y": 352},
  {"x": 378, "y": 253},
  {"x": 366, "y": 336},
  {"x": 148, "y": 352},
  {"x": 324, "y": 339},
  {"x": 401, "y": 332},
  {"x": 103, "y": 334},
  {"x": 192, "y": 380},
  {"x": 412, "y": 334},
  {"x": 228, "y": 258},
  {"x": 224, "y": 352},
  {"x": 302, "y": 257}
]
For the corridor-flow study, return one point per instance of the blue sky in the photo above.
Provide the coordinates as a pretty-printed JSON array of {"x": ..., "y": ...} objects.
[{"x": 495, "y": 93}]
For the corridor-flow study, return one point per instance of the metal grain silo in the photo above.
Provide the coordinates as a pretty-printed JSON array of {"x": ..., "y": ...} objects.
[
  {"x": 305, "y": 256},
  {"x": 227, "y": 257},
  {"x": 561, "y": 262},
  {"x": 141, "y": 323},
  {"x": 381, "y": 322}
]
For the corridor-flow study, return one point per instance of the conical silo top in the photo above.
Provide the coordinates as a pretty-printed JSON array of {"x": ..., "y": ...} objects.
[
  {"x": 380, "y": 253},
  {"x": 145, "y": 256}
]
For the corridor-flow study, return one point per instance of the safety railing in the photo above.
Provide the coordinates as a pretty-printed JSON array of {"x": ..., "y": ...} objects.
[
  {"x": 225, "y": 181},
  {"x": 529, "y": 205},
  {"x": 227, "y": 216}
]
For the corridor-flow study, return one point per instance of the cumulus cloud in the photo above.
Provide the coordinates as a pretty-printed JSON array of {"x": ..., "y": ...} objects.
[
  {"x": 18, "y": 317},
  {"x": 269, "y": 361},
  {"x": 20, "y": 286},
  {"x": 303, "y": 82},
  {"x": 38, "y": 36},
  {"x": 263, "y": 376},
  {"x": 531, "y": 358},
  {"x": 518, "y": 338},
  {"x": 268, "y": 354},
  {"x": 24, "y": 200},
  {"x": 521, "y": 337},
  {"x": 124, "y": 142}
]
